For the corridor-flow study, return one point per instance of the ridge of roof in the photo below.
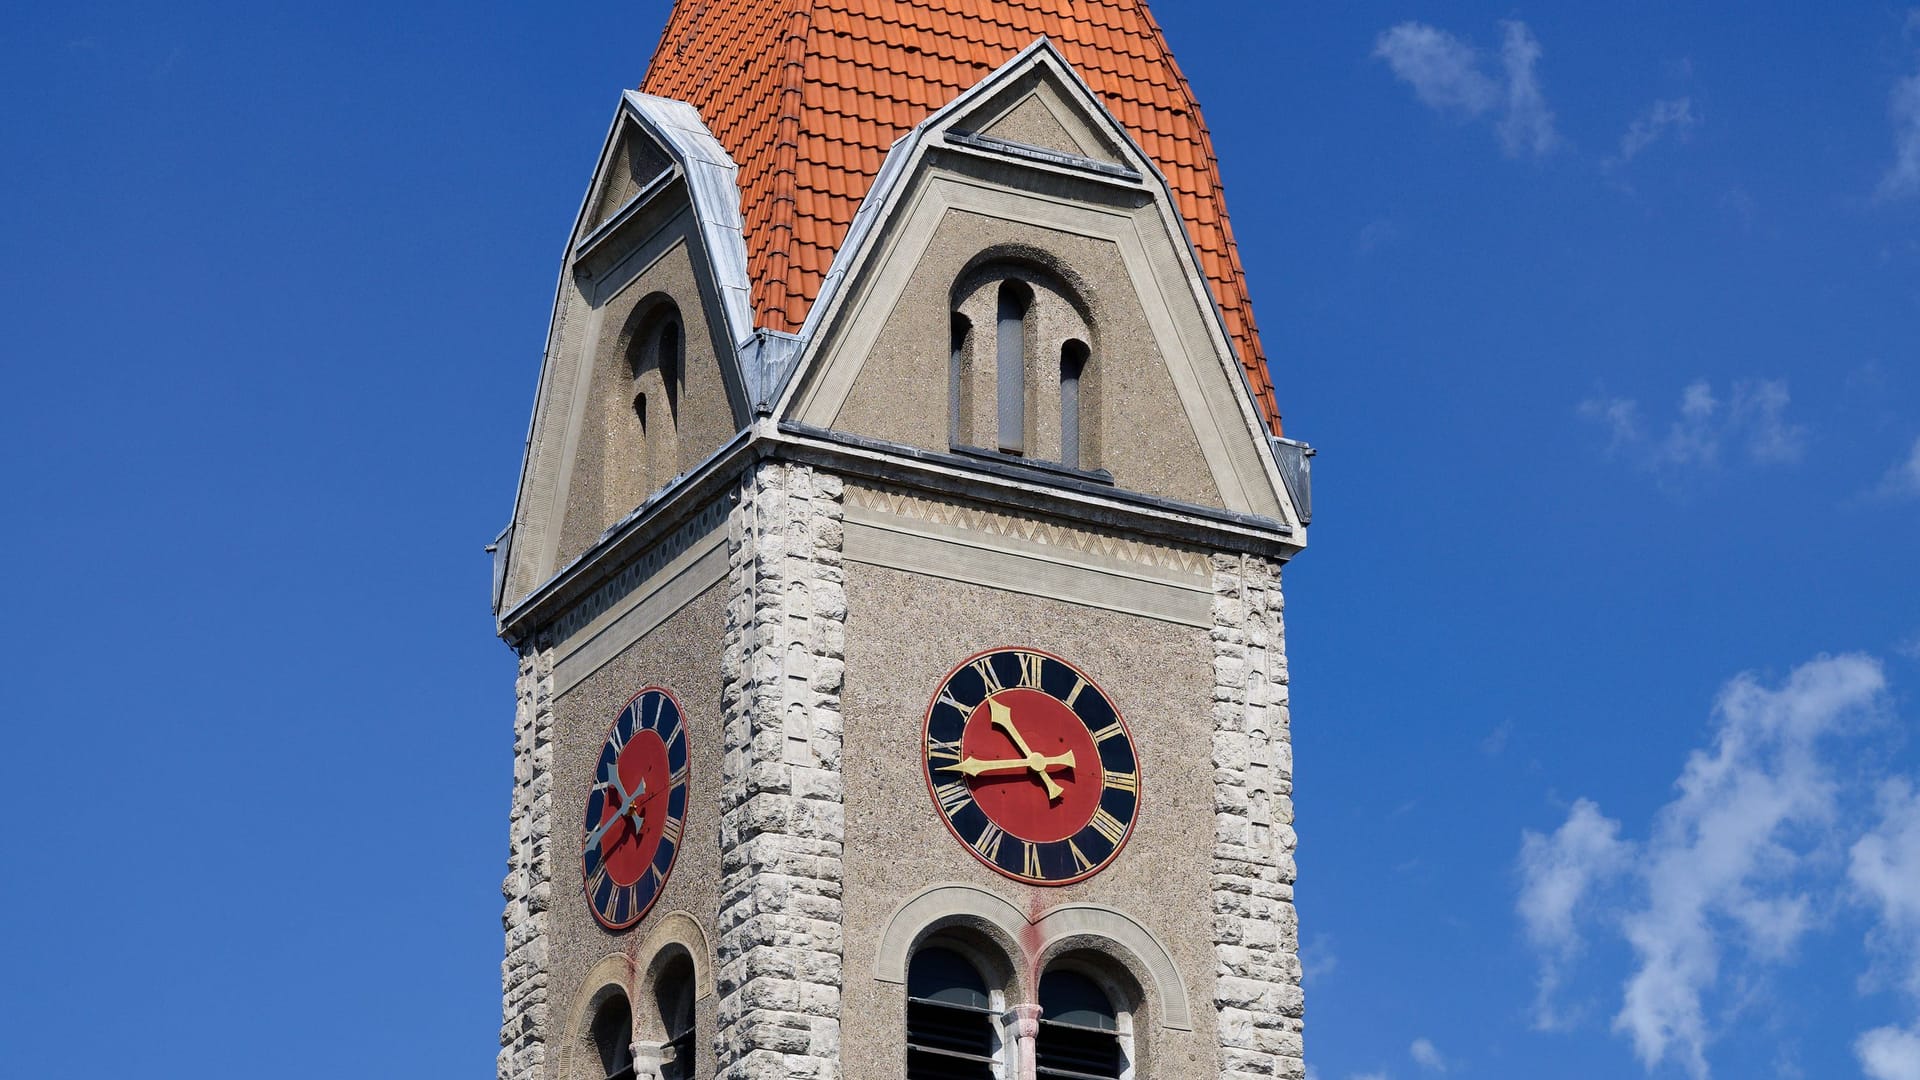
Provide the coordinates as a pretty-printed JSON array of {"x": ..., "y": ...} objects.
[{"x": 808, "y": 95}]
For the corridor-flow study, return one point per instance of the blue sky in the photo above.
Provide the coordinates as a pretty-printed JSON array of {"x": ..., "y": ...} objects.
[{"x": 1604, "y": 655}]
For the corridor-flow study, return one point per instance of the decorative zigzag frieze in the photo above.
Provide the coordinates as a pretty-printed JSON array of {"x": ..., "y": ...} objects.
[{"x": 979, "y": 519}]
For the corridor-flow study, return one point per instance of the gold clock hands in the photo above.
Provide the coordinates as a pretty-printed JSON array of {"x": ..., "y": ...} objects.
[
  {"x": 628, "y": 805},
  {"x": 1003, "y": 719},
  {"x": 973, "y": 766}
]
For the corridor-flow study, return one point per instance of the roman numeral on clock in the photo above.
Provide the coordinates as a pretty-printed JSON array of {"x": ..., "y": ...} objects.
[
  {"x": 988, "y": 842},
  {"x": 984, "y": 666},
  {"x": 953, "y": 797},
  {"x": 1032, "y": 667},
  {"x": 1108, "y": 826}
]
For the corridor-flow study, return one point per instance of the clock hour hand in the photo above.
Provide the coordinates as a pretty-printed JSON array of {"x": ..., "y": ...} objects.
[
  {"x": 973, "y": 766},
  {"x": 1003, "y": 719}
]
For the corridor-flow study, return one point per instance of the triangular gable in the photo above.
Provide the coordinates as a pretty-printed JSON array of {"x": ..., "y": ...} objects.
[
  {"x": 868, "y": 277},
  {"x": 633, "y": 161},
  {"x": 690, "y": 203}
]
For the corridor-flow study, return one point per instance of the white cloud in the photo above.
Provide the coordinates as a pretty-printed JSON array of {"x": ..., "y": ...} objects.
[
  {"x": 1754, "y": 419},
  {"x": 1665, "y": 117},
  {"x": 1427, "y": 1056},
  {"x": 1449, "y": 75},
  {"x": 1889, "y": 1054},
  {"x": 1558, "y": 873},
  {"x": 1317, "y": 958},
  {"x": 1902, "y": 178},
  {"x": 1722, "y": 877},
  {"x": 1443, "y": 70},
  {"x": 1528, "y": 126},
  {"x": 1903, "y": 480},
  {"x": 1369, "y": 1076},
  {"x": 1884, "y": 868}
]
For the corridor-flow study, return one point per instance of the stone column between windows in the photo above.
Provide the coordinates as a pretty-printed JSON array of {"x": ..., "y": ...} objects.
[
  {"x": 528, "y": 886},
  {"x": 781, "y": 819},
  {"x": 1256, "y": 931}
]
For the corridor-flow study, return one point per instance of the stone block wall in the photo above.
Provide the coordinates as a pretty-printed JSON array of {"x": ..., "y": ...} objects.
[
  {"x": 528, "y": 886},
  {"x": 1256, "y": 931},
  {"x": 782, "y": 814}
]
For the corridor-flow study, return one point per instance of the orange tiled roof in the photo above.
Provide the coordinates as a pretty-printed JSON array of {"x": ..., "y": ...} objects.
[{"x": 807, "y": 95}]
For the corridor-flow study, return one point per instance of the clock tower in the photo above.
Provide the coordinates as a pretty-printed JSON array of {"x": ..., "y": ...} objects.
[{"x": 895, "y": 572}]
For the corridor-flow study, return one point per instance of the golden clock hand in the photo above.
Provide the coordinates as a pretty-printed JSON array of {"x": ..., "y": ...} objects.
[
  {"x": 1003, "y": 719},
  {"x": 973, "y": 766}
]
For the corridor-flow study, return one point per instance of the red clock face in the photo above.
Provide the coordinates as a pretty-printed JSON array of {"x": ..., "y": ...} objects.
[
  {"x": 1031, "y": 766},
  {"x": 636, "y": 808}
]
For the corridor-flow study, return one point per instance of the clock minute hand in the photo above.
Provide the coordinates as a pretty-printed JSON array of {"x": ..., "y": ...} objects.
[
  {"x": 974, "y": 766},
  {"x": 1003, "y": 719}
]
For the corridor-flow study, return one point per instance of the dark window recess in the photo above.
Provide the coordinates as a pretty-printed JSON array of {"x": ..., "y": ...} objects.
[
  {"x": 677, "y": 1017},
  {"x": 1073, "y": 360},
  {"x": 950, "y": 1026},
  {"x": 613, "y": 1038},
  {"x": 1010, "y": 377},
  {"x": 958, "y": 329},
  {"x": 1079, "y": 1035},
  {"x": 670, "y": 357}
]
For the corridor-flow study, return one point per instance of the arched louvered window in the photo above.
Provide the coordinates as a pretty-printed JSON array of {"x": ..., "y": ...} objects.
[
  {"x": 673, "y": 994},
  {"x": 1023, "y": 368},
  {"x": 612, "y": 1034},
  {"x": 1079, "y": 1029},
  {"x": 951, "y": 1026},
  {"x": 957, "y": 394},
  {"x": 1010, "y": 365},
  {"x": 1073, "y": 361}
]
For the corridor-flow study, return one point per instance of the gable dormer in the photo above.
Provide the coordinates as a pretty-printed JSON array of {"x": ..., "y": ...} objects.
[
  {"x": 1019, "y": 287},
  {"x": 641, "y": 379}
]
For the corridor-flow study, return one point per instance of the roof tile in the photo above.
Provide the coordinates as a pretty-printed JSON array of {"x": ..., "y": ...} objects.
[{"x": 807, "y": 95}]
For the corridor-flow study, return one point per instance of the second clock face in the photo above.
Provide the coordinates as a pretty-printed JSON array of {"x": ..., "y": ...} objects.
[
  {"x": 636, "y": 807},
  {"x": 1031, "y": 766}
]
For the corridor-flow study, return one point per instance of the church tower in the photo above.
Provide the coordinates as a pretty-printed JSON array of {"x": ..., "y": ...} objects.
[{"x": 895, "y": 572}]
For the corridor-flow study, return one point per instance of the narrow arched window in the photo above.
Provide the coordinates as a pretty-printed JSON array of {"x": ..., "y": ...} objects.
[
  {"x": 957, "y": 396},
  {"x": 950, "y": 1020},
  {"x": 1079, "y": 1029},
  {"x": 1010, "y": 365},
  {"x": 613, "y": 1038},
  {"x": 1073, "y": 361},
  {"x": 671, "y": 359},
  {"x": 674, "y": 997}
]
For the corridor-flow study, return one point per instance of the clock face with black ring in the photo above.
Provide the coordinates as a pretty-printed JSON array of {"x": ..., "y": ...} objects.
[
  {"x": 1031, "y": 766},
  {"x": 636, "y": 807}
]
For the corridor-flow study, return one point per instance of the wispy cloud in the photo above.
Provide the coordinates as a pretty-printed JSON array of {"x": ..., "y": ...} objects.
[
  {"x": 1665, "y": 118},
  {"x": 1722, "y": 877},
  {"x": 1427, "y": 1056},
  {"x": 1753, "y": 419},
  {"x": 1318, "y": 958},
  {"x": 1884, "y": 868},
  {"x": 1558, "y": 874},
  {"x": 1450, "y": 75},
  {"x": 1528, "y": 125},
  {"x": 1902, "y": 178},
  {"x": 1903, "y": 480}
]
